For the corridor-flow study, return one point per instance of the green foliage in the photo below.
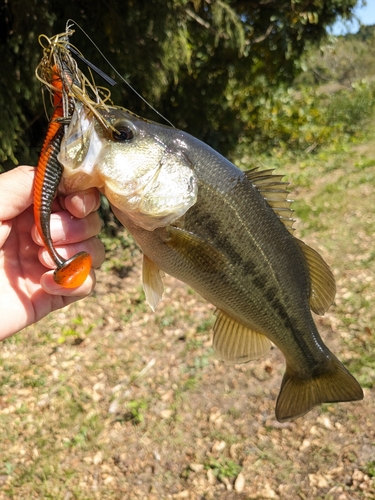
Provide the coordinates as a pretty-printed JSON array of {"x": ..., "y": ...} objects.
[
  {"x": 20, "y": 97},
  {"x": 8, "y": 468},
  {"x": 223, "y": 467},
  {"x": 136, "y": 411},
  {"x": 206, "y": 325},
  {"x": 370, "y": 468},
  {"x": 303, "y": 120},
  {"x": 348, "y": 108},
  {"x": 341, "y": 61},
  {"x": 364, "y": 368},
  {"x": 190, "y": 59}
]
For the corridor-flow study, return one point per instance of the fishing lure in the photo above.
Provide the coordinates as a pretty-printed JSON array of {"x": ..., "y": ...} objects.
[
  {"x": 58, "y": 71},
  {"x": 68, "y": 85}
]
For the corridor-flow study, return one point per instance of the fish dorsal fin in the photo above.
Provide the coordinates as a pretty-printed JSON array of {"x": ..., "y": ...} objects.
[
  {"x": 272, "y": 188},
  {"x": 152, "y": 282},
  {"x": 235, "y": 343},
  {"x": 323, "y": 287}
]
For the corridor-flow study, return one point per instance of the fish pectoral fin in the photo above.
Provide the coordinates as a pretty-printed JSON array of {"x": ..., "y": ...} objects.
[
  {"x": 323, "y": 286},
  {"x": 197, "y": 251},
  {"x": 236, "y": 343},
  {"x": 299, "y": 395},
  {"x": 152, "y": 282}
]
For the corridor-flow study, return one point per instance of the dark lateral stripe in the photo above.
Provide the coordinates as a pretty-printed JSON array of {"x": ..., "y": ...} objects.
[{"x": 212, "y": 227}]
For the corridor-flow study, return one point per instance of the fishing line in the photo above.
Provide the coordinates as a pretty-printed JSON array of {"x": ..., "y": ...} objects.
[
  {"x": 101, "y": 73},
  {"x": 92, "y": 66}
]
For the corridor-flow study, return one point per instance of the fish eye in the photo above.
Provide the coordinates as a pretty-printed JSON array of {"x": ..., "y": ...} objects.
[{"x": 123, "y": 133}]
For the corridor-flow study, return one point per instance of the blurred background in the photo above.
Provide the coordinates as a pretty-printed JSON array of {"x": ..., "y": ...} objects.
[
  {"x": 254, "y": 70},
  {"x": 107, "y": 400}
]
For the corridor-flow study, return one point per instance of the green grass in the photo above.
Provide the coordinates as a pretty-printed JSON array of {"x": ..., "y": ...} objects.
[
  {"x": 370, "y": 468},
  {"x": 59, "y": 379},
  {"x": 223, "y": 467}
]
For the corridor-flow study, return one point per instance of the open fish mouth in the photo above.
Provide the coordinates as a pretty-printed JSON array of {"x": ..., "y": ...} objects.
[{"x": 155, "y": 187}]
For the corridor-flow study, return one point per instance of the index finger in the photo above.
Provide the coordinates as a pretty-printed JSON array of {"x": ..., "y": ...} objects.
[{"x": 16, "y": 191}]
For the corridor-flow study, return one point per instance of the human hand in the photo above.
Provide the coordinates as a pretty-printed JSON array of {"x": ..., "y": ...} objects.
[{"x": 27, "y": 290}]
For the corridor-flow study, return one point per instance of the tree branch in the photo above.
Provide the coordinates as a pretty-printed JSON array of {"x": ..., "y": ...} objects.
[{"x": 266, "y": 34}]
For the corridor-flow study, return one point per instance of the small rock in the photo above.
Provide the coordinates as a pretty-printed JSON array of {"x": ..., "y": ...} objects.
[
  {"x": 318, "y": 480},
  {"x": 233, "y": 451},
  {"x": 336, "y": 471},
  {"x": 219, "y": 446},
  {"x": 166, "y": 413},
  {"x": 43, "y": 401},
  {"x": 96, "y": 396},
  {"x": 227, "y": 483},
  {"x": 239, "y": 483},
  {"x": 335, "y": 490},
  {"x": 167, "y": 396},
  {"x": 268, "y": 492},
  {"x": 98, "y": 458},
  {"x": 196, "y": 467},
  {"x": 305, "y": 444},
  {"x": 324, "y": 420},
  {"x": 114, "y": 406},
  {"x": 211, "y": 477},
  {"x": 315, "y": 431},
  {"x": 182, "y": 494},
  {"x": 106, "y": 469},
  {"x": 216, "y": 418},
  {"x": 358, "y": 476},
  {"x": 363, "y": 486}
]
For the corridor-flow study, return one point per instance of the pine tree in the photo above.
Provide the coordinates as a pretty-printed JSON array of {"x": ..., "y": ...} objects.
[{"x": 195, "y": 61}]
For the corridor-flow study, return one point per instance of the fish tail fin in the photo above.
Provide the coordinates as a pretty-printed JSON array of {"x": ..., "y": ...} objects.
[{"x": 299, "y": 395}]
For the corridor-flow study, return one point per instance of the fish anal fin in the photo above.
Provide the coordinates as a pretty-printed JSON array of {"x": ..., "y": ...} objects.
[
  {"x": 299, "y": 395},
  {"x": 323, "y": 286},
  {"x": 272, "y": 188},
  {"x": 235, "y": 343},
  {"x": 152, "y": 282}
]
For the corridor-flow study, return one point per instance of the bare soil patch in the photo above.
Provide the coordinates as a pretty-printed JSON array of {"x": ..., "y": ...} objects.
[{"x": 107, "y": 400}]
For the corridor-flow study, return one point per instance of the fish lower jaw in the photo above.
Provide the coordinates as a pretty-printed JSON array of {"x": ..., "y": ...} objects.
[{"x": 79, "y": 182}]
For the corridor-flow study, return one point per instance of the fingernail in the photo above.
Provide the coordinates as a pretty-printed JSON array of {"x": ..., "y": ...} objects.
[{"x": 89, "y": 203}]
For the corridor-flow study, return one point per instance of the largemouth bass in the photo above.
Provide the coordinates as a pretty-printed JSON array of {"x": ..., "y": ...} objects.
[{"x": 224, "y": 232}]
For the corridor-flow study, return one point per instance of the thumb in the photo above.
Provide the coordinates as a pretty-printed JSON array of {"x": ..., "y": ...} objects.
[{"x": 16, "y": 191}]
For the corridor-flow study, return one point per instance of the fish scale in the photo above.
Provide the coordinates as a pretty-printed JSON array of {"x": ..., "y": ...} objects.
[
  {"x": 223, "y": 238},
  {"x": 247, "y": 300}
]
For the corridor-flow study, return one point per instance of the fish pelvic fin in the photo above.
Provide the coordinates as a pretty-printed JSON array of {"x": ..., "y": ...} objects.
[
  {"x": 236, "y": 343},
  {"x": 323, "y": 286},
  {"x": 152, "y": 282},
  {"x": 299, "y": 395}
]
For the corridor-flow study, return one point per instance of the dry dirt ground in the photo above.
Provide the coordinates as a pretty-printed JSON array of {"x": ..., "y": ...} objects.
[{"x": 107, "y": 400}]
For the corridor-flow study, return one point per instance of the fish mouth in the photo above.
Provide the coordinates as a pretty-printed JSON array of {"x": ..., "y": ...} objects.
[{"x": 137, "y": 171}]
